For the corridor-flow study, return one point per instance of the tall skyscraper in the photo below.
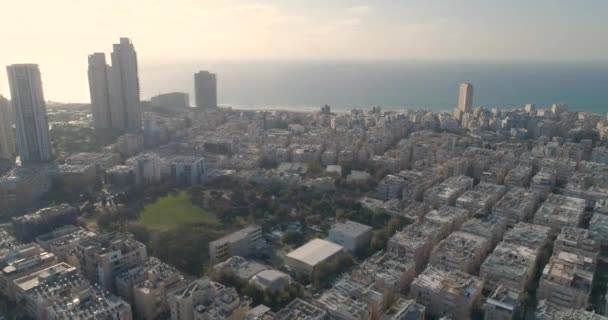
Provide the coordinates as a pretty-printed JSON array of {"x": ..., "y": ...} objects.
[
  {"x": 8, "y": 149},
  {"x": 99, "y": 89},
  {"x": 124, "y": 86},
  {"x": 205, "y": 90},
  {"x": 465, "y": 100},
  {"x": 30, "y": 113}
]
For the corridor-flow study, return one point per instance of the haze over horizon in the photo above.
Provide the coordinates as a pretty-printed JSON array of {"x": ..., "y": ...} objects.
[{"x": 60, "y": 34}]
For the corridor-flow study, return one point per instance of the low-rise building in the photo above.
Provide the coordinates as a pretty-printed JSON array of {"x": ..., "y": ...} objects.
[
  {"x": 77, "y": 178},
  {"x": 101, "y": 161},
  {"x": 490, "y": 227},
  {"x": 480, "y": 200},
  {"x": 447, "y": 293},
  {"x": 62, "y": 240},
  {"x": 415, "y": 242},
  {"x": 151, "y": 296},
  {"x": 385, "y": 272},
  {"x": 29, "y": 226},
  {"x": 300, "y": 309},
  {"x": 503, "y": 304},
  {"x": 560, "y": 211},
  {"x": 533, "y": 236},
  {"x": 460, "y": 251},
  {"x": 517, "y": 205},
  {"x": 599, "y": 225},
  {"x": 19, "y": 262},
  {"x": 405, "y": 310},
  {"x": 103, "y": 257},
  {"x": 550, "y": 311},
  {"x": 341, "y": 307},
  {"x": 446, "y": 193},
  {"x": 543, "y": 182},
  {"x": 244, "y": 242},
  {"x": 567, "y": 280},
  {"x": 305, "y": 259},
  {"x": 417, "y": 182},
  {"x": 577, "y": 240},
  {"x": 448, "y": 218},
  {"x": 410, "y": 210},
  {"x": 94, "y": 304},
  {"x": 353, "y": 236},
  {"x": 187, "y": 170},
  {"x": 271, "y": 280},
  {"x": 511, "y": 265},
  {"x": 184, "y": 301},
  {"x": 518, "y": 177},
  {"x": 240, "y": 267}
]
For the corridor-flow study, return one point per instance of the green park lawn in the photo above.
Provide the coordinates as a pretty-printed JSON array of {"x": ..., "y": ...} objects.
[{"x": 171, "y": 211}]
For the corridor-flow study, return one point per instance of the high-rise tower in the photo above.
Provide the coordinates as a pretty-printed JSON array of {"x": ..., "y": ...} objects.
[
  {"x": 205, "y": 90},
  {"x": 99, "y": 89},
  {"x": 28, "y": 102},
  {"x": 465, "y": 99},
  {"x": 8, "y": 148},
  {"x": 124, "y": 87}
]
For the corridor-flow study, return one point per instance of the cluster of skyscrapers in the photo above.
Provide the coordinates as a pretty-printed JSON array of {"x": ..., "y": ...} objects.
[{"x": 115, "y": 102}]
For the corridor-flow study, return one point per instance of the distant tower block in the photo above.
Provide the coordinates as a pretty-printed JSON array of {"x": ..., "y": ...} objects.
[
  {"x": 465, "y": 99},
  {"x": 205, "y": 90}
]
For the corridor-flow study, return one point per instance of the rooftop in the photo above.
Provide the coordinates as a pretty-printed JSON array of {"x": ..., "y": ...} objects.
[{"x": 315, "y": 251}]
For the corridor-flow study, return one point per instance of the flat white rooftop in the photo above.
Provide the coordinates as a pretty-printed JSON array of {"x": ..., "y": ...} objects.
[{"x": 315, "y": 251}]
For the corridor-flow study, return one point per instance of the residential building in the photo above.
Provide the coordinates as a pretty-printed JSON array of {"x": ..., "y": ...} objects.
[
  {"x": 447, "y": 293},
  {"x": 490, "y": 227},
  {"x": 300, "y": 309},
  {"x": 460, "y": 251},
  {"x": 93, "y": 304},
  {"x": 27, "y": 100},
  {"x": 240, "y": 267},
  {"x": 517, "y": 205},
  {"x": 417, "y": 182},
  {"x": 415, "y": 242},
  {"x": 271, "y": 280},
  {"x": 151, "y": 296},
  {"x": 446, "y": 193},
  {"x": 29, "y": 226},
  {"x": 124, "y": 88},
  {"x": 599, "y": 225},
  {"x": 353, "y": 236},
  {"x": 99, "y": 90},
  {"x": 510, "y": 265},
  {"x": 8, "y": 148},
  {"x": 448, "y": 218},
  {"x": 518, "y": 177},
  {"x": 187, "y": 170},
  {"x": 550, "y": 311},
  {"x": 103, "y": 257},
  {"x": 567, "y": 280},
  {"x": 205, "y": 90},
  {"x": 341, "y": 307},
  {"x": 533, "y": 236},
  {"x": 480, "y": 200},
  {"x": 465, "y": 98},
  {"x": 543, "y": 182},
  {"x": 173, "y": 101},
  {"x": 560, "y": 211},
  {"x": 503, "y": 304},
  {"x": 185, "y": 301},
  {"x": 244, "y": 242},
  {"x": 577, "y": 240},
  {"x": 405, "y": 310},
  {"x": 147, "y": 168},
  {"x": 63, "y": 239},
  {"x": 21, "y": 261}
]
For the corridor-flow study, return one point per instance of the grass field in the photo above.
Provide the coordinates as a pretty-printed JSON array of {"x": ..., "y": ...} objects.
[{"x": 171, "y": 211}]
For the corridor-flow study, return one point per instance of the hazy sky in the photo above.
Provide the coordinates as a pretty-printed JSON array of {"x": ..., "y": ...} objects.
[{"x": 59, "y": 34}]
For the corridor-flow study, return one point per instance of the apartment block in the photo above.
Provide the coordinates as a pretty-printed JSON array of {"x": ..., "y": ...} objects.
[
  {"x": 550, "y": 311},
  {"x": 446, "y": 193},
  {"x": 447, "y": 293},
  {"x": 567, "y": 280},
  {"x": 448, "y": 218},
  {"x": 244, "y": 242},
  {"x": 580, "y": 241},
  {"x": 601, "y": 206},
  {"x": 151, "y": 296},
  {"x": 599, "y": 225},
  {"x": 101, "y": 161},
  {"x": 339, "y": 306},
  {"x": 560, "y": 211},
  {"x": 29, "y": 226},
  {"x": 19, "y": 262},
  {"x": 529, "y": 235},
  {"x": 417, "y": 182},
  {"x": 62, "y": 240},
  {"x": 351, "y": 235},
  {"x": 519, "y": 176},
  {"x": 460, "y": 251},
  {"x": 544, "y": 182},
  {"x": 415, "y": 242},
  {"x": 240, "y": 267},
  {"x": 503, "y": 304},
  {"x": 103, "y": 257},
  {"x": 480, "y": 200},
  {"x": 411, "y": 210},
  {"x": 300, "y": 309},
  {"x": 385, "y": 272},
  {"x": 390, "y": 187},
  {"x": 517, "y": 205},
  {"x": 490, "y": 227},
  {"x": 511, "y": 265},
  {"x": 39, "y": 290},
  {"x": 93, "y": 304},
  {"x": 405, "y": 310},
  {"x": 184, "y": 302}
]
